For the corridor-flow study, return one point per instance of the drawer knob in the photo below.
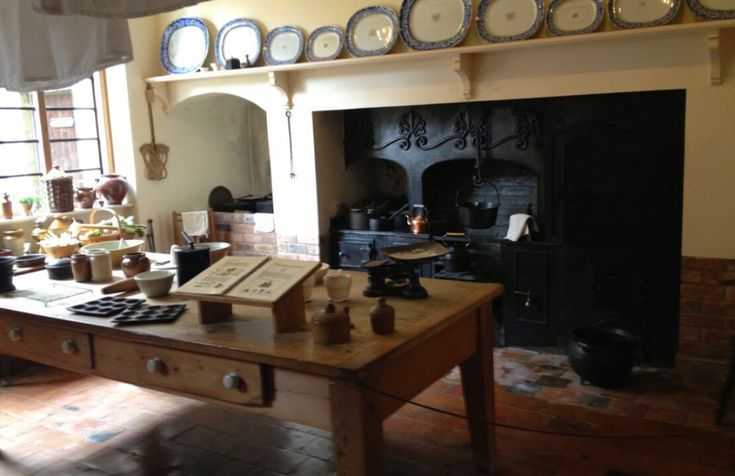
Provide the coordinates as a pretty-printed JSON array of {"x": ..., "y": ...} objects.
[
  {"x": 15, "y": 334},
  {"x": 232, "y": 381},
  {"x": 156, "y": 365},
  {"x": 68, "y": 346}
]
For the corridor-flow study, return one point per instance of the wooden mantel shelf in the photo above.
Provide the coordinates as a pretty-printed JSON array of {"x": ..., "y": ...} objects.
[{"x": 459, "y": 59}]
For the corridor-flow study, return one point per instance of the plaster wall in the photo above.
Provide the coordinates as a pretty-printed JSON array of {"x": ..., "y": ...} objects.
[{"x": 303, "y": 204}]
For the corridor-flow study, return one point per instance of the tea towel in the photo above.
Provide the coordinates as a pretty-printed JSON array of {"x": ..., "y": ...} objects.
[{"x": 195, "y": 223}]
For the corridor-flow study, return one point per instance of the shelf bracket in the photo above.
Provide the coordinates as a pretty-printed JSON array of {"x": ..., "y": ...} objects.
[
  {"x": 462, "y": 67},
  {"x": 279, "y": 81},
  {"x": 151, "y": 96},
  {"x": 715, "y": 58}
]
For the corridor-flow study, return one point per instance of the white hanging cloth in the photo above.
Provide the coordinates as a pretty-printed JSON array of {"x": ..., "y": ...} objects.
[
  {"x": 110, "y": 8},
  {"x": 39, "y": 52}
]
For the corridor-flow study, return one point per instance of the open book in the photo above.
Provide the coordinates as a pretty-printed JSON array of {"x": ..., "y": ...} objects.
[{"x": 249, "y": 278}]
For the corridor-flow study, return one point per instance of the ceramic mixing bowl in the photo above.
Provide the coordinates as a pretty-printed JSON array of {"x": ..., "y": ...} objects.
[{"x": 154, "y": 283}]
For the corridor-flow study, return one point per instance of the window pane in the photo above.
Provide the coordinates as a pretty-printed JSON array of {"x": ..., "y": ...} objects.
[
  {"x": 16, "y": 159},
  {"x": 13, "y": 99},
  {"x": 75, "y": 124},
  {"x": 21, "y": 187},
  {"x": 78, "y": 95},
  {"x": 17, "y": 124},
  {"x": 76, "y": 155},
  {"x": 85, "y": 179}
]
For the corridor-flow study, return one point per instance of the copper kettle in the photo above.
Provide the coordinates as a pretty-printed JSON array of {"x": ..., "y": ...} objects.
[{"x": 418, "y": 219}]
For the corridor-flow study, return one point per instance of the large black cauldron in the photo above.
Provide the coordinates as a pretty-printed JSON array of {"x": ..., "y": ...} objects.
[{"x": 603, "y": 356}]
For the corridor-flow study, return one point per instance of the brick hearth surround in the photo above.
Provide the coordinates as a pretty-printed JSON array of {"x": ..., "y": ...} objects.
[{"x": 707, "y": 318}]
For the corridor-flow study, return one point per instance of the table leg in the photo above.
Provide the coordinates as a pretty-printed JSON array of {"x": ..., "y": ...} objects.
[
  {"x": 477, "y": 386},
  {"x": 357, "y": 430}
]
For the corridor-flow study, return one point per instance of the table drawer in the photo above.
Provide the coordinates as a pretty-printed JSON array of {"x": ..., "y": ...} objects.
[
  {"x": 188, "y": 372},
  {"x": 43, "y": 343}
]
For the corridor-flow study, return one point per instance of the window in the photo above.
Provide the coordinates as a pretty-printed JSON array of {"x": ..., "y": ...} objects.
[{"x": 40, "y": 130}]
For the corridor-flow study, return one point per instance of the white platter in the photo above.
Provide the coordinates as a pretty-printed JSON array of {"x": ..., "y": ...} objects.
[
  {"x": 642, "y": 13},
  {"x": 325, "y": 43},
  {"x": 509, "y": 20},
  {"x": 372, "y": 31},
  {"x": 712, "y": 9},
  {"x": 574, "y": 17},
  {"x": 434, "y": 24},
  {"x": 184, "y": 45},
  {"x": 239, "y": 39},
  {"x": 283, "y": 45}
]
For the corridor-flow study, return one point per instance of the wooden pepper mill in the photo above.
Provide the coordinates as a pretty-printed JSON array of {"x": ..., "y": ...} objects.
[{"x": 382, "y": 317}]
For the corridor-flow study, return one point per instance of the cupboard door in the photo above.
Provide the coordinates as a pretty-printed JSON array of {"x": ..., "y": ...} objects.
[{"x": 529, "y": 317}]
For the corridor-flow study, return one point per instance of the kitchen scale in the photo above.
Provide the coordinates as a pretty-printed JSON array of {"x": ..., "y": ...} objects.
[{"x": 399, "y": 275}]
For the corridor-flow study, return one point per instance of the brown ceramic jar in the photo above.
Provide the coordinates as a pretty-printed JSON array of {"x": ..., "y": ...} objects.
[
  {"x": 84, "y": 196},
  {"x": 112, "y": 188},
  {"x": 382, "y": 317},
  {"x": 81, "y": 268},
  {"x": 331, "y": 326},
  {"x": 134, "y": 263}
]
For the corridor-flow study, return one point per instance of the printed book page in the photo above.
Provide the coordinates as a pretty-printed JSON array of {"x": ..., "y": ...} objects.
[
  {"x": 269, "y": 282},
  {"x": 222, "y": 275}
]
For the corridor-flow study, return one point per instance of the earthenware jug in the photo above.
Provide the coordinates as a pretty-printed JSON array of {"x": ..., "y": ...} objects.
[
  {"x": 84, "y": 196},
  {"x": 382, "y": 317},
  {"x": 331, "y": 326},
  {"x": 111, "y": 188},
  {"x": 134, "y": 263}
]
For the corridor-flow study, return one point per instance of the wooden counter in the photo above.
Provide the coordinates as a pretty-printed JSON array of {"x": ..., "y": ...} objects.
[{"x": 287, "y": 376}]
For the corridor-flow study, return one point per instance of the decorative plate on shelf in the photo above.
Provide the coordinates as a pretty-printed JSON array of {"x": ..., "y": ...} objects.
[
  {"x": 283, "y": 45},
  {"x": 434, "y": 24},
  {"x": 241, "y": 39},
  {"x": 574, "y": 17},
  {"x": 509, "y": 20},
  {"x": 325, "y": 43},
  {"x": 712, "y": 9},
  {"x": 184, "y": 45},
  {"x": 372, "y": 31},
  {"x": 642, "y": 13}
]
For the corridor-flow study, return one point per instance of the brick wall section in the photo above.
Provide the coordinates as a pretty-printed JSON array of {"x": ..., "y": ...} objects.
[
  {"x": 707, "y": 318},
  {"x": 238, "y": 229}
]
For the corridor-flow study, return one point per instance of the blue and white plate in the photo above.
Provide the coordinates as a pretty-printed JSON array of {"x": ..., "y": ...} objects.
[
  {"x": 509, "y": 20},
  {"x": 325, "y": 43},
  {"x": 638, "y": 14},
  {"x": 283, "y": 45},
  {"x": 184, "y": 45},
  {"x": 712, "y": 9},
  {"x": 372, "y": 31},
  {"x": 434, "y": 24},
  {"x": 574, "y": 17},
  {"x": 241, "y": 39}
]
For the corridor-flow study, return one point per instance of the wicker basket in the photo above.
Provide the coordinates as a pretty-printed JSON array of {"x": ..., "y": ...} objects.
[
  {"x": 109, "y": 232},
  {"x": 60, "y": 194}
]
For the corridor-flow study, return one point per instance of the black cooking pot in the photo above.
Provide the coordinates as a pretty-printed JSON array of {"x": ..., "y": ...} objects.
[
  {"x": 359, "y": 219},
  {"x": 477, "y": 214},
  {"x": 603, "y": 356},
  {"x": 458, "y": 256},
  {"x": 379, "y": 223}
]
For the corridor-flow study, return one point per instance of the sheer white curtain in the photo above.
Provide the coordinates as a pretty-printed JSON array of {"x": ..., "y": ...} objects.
[
  {"x": 54, "y": 51},
  {"x": 110, "y": 8}
]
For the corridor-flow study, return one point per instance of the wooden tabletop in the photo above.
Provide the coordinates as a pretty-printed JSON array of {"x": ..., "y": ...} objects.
[{"x": 249, "y": 335}]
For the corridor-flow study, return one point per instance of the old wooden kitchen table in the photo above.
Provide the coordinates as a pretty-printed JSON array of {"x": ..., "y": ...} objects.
[{"x": 287, "y": 376}]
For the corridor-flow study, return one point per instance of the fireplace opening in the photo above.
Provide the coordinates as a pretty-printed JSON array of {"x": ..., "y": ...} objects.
[{"x": 602, "y": 176}]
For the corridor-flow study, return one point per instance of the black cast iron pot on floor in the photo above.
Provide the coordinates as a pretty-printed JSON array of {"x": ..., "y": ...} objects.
[{"x": 602, "y": 355}]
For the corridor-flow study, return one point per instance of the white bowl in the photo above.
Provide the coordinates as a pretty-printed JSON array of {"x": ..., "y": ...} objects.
[
  {"x": 154, "y": 283},
  {"x": 117, "y": 249}
]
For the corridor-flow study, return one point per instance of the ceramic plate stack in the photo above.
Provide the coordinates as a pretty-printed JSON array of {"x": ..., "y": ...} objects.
[
  {"x": 434, "y": 24},
  {"x": 372, "y": 31},
  {"x": 184, "y": 45},
  {"x": 509, "y": 20}
]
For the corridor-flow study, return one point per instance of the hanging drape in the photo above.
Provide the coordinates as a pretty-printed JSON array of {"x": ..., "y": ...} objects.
[
  {"x": 110, "y": 8},
  {"x": 50, "y": 52}
]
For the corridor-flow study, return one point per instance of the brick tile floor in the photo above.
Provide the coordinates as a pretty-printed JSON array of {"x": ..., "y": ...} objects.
[{"x": 58, "y": 423}]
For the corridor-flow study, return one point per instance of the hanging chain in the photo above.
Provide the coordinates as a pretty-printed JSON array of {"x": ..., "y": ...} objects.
[{"x": 290, "y": 144}]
